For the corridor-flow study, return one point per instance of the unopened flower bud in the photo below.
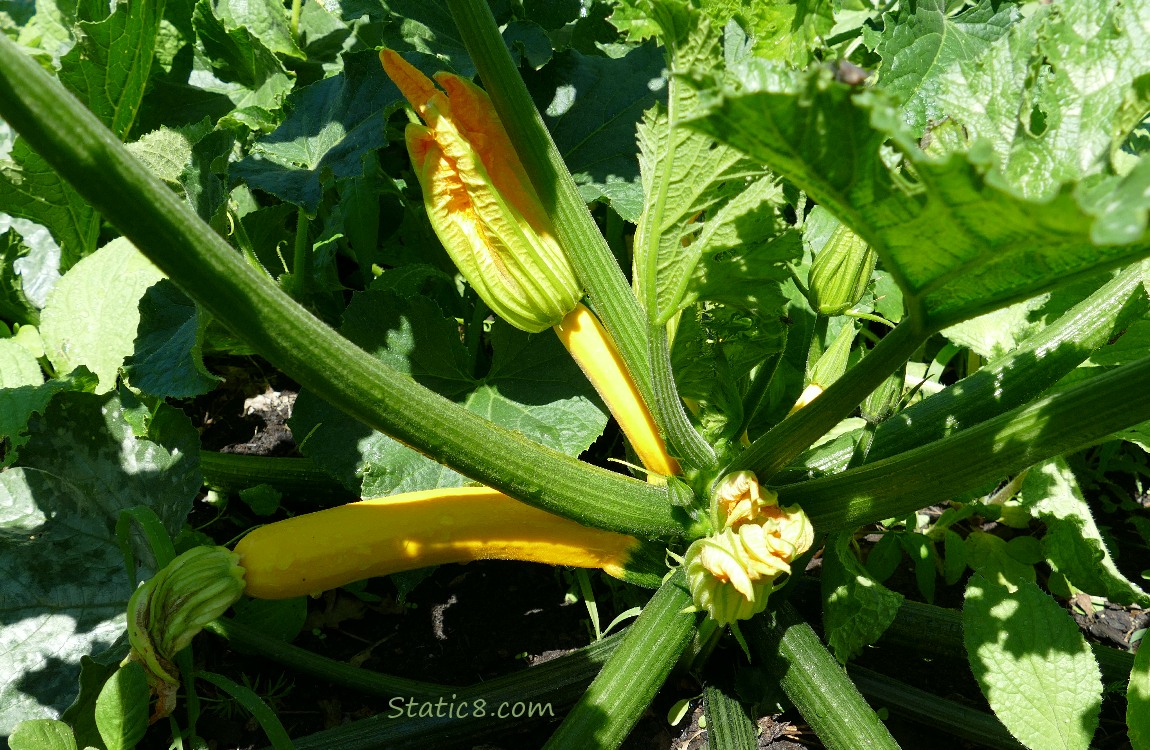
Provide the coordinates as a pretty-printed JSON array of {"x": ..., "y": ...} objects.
[
  {"x": 841, "y": 271},
  {"x": 480, "y": 201}
]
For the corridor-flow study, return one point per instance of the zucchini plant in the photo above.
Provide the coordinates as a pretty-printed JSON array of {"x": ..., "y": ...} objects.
[{"x": 853, "y": 282}]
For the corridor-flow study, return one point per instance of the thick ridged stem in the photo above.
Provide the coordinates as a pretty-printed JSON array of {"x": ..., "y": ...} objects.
[
  {"x": 89, "y": 156},
  {"x": 607, "y": 712},
  {"x": 817, "y": 684},
  {"x": 1063, "y": 422}
]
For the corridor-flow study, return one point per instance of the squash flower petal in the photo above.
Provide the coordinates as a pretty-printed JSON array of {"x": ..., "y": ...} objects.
[{"x": 480, "y": 201}]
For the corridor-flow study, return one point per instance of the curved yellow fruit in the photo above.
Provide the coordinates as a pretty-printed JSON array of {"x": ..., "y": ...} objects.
[
  {"x": 596, "y": 355},
  {"x": 318, "y": 551}
]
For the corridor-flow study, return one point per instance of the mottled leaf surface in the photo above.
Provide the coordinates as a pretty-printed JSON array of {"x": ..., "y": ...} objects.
[
  {"x": 924, "y": 41},
  {"x": 1073, "y": 543},
  {"x": 93, "y": 313},
  {"x": 527, "y": 388},
  {"x": 857, "y": 609},
  {"x": 330, "y": 126},
  {"x": 1033, "y": 666},
  {"x": 988, "y": 244},
  {"x": 62, "y": 578}
]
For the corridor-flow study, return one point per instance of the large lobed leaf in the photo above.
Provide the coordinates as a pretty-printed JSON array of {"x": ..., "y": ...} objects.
[
  {"x": 922, "y": 42},
  {"x": 62, "y": 579},
  {"x": 531, "y": 386},
  {"x": 957, "y": 237},
  {"x": 330, "y": 126},
  {"x": 1058, "y": 93},
  {"x": 703, "y": 199},
  {"x": 1032, "y": 664},
  {"x": 592, "y": 105}
]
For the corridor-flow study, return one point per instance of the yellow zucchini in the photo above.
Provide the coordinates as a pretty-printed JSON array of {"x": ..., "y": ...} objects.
[
  {"x": 593, "y": 350},
  {"x": 318, "y": 551}
]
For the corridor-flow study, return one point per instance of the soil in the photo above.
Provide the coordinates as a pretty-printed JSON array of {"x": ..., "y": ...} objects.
[{"x": 463, "y": 625}]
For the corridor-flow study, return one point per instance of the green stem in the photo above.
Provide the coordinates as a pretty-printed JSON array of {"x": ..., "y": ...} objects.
[
  {"x": 1065, "y": 421},
  {"x": 230, "y": 472},
  {"x": 301, "y": 256},
  {"x": 606, "y": 713},
  {"x": 956, "y": 720},
  {"x": 295, "y": 10},
  {"x": 796, "y": 433},
  {"x": 1006, "y": 382},
  {"x": 729, "y": 727},
  {"x": 249, "y": 640},
  {"x": 789, "y": 650},
  {"x": 684, "y": 440},
  {"x": 611, "y": 297},
  {"x": 149, "y": 214}
]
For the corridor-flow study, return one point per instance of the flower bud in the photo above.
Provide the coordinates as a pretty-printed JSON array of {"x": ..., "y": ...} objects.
[
  {"x": 480, "y": 201},
  {"x": 841, "y": 271}
]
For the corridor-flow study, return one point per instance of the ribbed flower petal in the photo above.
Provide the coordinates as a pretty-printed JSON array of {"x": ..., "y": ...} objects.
[{"x": 481, "y": 203}]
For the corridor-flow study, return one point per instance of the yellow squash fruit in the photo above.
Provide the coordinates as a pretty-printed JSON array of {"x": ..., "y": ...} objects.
[{"x": 318, "y": 551}]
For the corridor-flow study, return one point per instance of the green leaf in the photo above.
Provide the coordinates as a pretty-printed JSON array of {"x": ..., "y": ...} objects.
[
  {"x": 954, "y": 562},
  {"x": 1138, "y": 700},
  {"x": 62, "y": 579},
  {"x": 1073, "y": 543},
  {"x": 923, "y": 42},
  {"x": 330, "y": 126},
  {"x": 166, "y": 359},
  {"x": 50, "y": 29},
  {"x": 885, "y": 556},
  {"x": 701, "y": 198},
  {"x": 532, "y": 386},
  {"x": 18, "y": 366},
  {"x": 266, "y": 20},
  {"x": 957, "y": 239},
  {"x": 592, "y": 106},
  {"x": 528, "y": 43},
  {"x": 990, "y": 556},
  {"x": 857, "y": 608},
  {"x": 94, "y": 672},
  {"x": 920, "y": 550},
  {"x": 425, "y": 26},
  {"x": 122, "y": 708},
  {"x": 1037, "y": 97},
  {"x": 108, "y": 69},
  {"x": 238, "y": 53},
  {"x": 1033, "y": 666},
  {"x": 92, "y": 315},
  {"x": 42, "y": 734},
  {"x": 781, "y": 30},
  {"x": 17, "y": 405},
  {"x": 32, "y": 190}
]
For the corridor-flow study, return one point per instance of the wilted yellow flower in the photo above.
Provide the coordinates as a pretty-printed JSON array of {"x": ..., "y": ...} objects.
[
  {"x": 480, "y": 201},
  {"x": 167, "y": 611}
]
